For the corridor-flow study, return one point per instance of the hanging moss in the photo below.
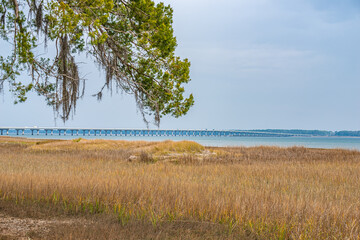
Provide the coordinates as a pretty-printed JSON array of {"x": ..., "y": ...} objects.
[{"x": 131, "y": 40}]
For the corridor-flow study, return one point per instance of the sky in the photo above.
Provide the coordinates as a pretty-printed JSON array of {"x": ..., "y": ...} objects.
[{"x": 255, "y": 64}]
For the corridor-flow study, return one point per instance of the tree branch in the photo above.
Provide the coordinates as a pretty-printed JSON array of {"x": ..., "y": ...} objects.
[{"x": 16, "y": 8}]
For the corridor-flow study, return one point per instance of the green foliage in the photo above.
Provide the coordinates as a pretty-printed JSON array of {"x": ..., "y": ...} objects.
[
  {"x": 132, "y": 40},
  {"x": 20, "y": 91}
]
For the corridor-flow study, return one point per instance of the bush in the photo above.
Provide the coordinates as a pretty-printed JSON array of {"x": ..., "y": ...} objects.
[{"x": 146, "y": 157}]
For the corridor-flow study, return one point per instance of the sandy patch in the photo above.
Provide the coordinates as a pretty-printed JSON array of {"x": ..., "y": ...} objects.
[{"x": 23, "y": 228}]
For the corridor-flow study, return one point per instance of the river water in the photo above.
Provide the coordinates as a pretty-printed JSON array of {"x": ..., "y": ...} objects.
[{"x": 311, "y": 142}]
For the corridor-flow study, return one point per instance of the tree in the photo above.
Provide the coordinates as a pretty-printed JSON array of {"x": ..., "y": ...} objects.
[{"x": 131, "y": 40}]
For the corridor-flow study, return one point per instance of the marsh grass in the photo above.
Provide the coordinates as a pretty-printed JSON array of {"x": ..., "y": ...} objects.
[{"x": 255, "y": 193}]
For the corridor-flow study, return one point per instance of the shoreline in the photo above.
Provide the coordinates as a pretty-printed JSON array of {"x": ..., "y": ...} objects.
[{"x": 225, "y": 142}]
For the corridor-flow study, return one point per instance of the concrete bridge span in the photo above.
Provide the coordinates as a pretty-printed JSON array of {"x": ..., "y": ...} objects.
[{"x": 51, "y": 131}]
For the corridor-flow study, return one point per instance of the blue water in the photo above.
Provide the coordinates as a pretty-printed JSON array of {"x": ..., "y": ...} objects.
[{"x": 311, "y": 142}]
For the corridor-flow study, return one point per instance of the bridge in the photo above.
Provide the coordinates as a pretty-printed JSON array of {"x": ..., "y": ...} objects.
[{"x": 54, "y": 131}]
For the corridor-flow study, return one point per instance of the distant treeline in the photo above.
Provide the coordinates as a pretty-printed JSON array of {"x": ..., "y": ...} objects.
[
  {"x": 306, "y": 132},
  {"x": 348, "y": 133}
]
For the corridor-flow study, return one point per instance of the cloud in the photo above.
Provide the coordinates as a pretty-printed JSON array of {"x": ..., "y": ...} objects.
[{"x": 250, "y": 58}]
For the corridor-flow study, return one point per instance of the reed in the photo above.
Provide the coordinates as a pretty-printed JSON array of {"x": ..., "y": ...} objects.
[{"x": 257, "y": 192}]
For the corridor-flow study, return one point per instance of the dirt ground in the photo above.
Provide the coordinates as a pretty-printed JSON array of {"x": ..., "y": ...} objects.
[{"x": 27, "y": 228}]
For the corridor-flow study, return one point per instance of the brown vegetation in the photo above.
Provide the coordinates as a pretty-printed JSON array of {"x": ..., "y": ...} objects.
[{"x": 149, "y": 190}]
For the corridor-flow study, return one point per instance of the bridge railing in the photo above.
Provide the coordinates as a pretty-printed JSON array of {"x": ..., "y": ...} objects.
[
  {"x": 48, "y": 131},
  {"x": 111, "y": 132}
]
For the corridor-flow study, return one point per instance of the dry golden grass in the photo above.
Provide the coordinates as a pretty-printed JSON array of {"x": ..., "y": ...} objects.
[
  {"x": 258, "y": 193},
  {"x": 101, "y": 145}
]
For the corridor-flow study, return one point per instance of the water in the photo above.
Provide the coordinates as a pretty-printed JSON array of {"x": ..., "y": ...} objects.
[{"x": 311, "y": 142}]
